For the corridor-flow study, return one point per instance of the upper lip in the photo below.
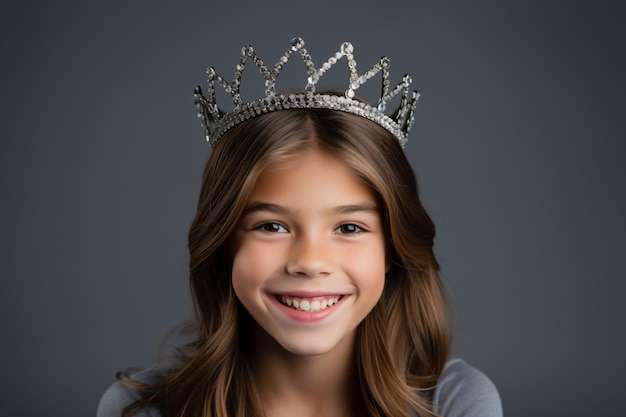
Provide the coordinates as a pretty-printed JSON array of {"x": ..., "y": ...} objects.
[{"x": 307, "y": 294}]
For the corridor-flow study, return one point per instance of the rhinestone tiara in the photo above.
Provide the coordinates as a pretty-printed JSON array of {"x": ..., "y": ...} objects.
[{"x": 216, "y": 122}]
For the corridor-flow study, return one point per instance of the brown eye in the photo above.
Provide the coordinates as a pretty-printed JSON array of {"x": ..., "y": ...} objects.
[
  {"x": 272, "y": 227},
  {"x": 349, "y": 228}
]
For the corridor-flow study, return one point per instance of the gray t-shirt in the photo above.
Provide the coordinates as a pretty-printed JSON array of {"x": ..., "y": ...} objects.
[{"x": 462, "y": 391}]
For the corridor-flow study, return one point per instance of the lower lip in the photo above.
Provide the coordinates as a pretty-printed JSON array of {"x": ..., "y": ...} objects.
[{"x": 306, "y": 316}]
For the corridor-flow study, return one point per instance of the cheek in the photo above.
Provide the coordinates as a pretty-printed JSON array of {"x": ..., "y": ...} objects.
[
  {"x": 251, "y": 265},
  {"x": 367, "y": 270}
]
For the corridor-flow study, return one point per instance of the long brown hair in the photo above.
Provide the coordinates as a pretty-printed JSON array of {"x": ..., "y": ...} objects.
[{"x": 402, "y": 345}]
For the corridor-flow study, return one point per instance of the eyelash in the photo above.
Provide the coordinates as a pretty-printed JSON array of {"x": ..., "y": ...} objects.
[
  {"x": 270, "y": 227},
  {"x": 274, "y": 227},
  {"x": 357, "y": 229}
]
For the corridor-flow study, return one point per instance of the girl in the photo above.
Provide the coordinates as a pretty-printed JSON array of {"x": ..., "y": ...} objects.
[{"x": 315, "y": 286}]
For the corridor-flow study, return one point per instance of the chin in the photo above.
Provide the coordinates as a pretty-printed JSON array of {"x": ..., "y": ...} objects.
[
  {"x": 316, "y": 346},
  {"x": 300, "y": 349}
]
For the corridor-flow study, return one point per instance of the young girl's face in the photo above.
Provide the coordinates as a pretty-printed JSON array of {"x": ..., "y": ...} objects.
[{"x": 309, "y": 260}]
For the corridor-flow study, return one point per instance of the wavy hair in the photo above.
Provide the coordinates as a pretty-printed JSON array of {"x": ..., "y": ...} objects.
[{"x": 401, "y": 345}]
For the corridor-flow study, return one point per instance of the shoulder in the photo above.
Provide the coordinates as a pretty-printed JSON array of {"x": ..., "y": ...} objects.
[
  {"x": 464, "y": 391},
  {"x": 117, "y": 397}
]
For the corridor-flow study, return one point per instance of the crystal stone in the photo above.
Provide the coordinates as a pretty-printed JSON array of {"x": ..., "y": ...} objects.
[
  {"x": 296, "y": 43},
  {"x": 247, "y": 50},
  {"x": 347, "y": 48}
]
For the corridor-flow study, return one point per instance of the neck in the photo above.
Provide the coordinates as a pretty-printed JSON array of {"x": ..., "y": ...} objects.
[{"x": 306, "y": 386}]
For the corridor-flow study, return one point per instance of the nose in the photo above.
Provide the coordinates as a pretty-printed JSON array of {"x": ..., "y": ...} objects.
[{"x": 310, "y": 256}]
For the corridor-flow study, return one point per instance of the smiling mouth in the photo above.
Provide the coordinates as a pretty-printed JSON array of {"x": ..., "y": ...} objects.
[{"x": 309, "y": 304}]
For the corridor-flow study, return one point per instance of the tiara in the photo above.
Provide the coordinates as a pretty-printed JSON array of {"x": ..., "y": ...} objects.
[{"x": 216, "y": 122}]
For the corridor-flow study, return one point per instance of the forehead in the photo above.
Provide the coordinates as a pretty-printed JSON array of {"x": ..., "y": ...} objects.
[{"x": 311, "y": 177}]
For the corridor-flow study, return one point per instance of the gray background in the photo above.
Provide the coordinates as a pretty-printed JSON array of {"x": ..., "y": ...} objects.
[{"x": 518, "y": 144}]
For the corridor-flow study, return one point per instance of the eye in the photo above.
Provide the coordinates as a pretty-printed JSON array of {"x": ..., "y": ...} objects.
[
  {"x": 349, "y": 229},
  {"x": 271, "y": 227}
]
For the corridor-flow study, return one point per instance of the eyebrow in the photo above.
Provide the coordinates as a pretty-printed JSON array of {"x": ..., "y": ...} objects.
[
  {"x": 274, "y": 208},
  {"x": 278, "y": 209}
]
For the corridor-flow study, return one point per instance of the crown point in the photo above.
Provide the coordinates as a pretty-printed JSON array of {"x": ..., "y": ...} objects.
[
  {"x": 296, "y": 44},
  {"x": 347, "y": 48},
  {"x": 210, "y": 72},
  {"x": 247, "y": 50}
]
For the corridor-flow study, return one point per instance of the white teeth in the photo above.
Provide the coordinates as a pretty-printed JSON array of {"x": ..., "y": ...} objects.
[{"x": 304, "y": 304}]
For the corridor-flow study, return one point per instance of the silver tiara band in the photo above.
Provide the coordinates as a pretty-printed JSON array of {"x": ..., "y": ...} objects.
[{"x": 216, "y": 122}]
